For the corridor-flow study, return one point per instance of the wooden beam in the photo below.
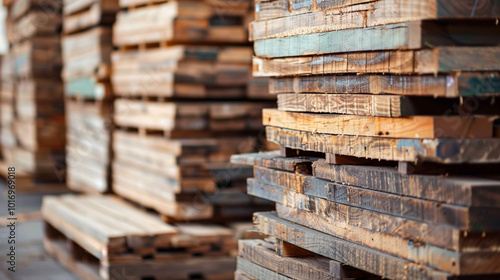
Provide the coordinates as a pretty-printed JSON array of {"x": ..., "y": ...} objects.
[
  {"x": 401, "y": 36},
  {"x": 445, "y": 151},
  {"x": 412, "y": 127}
]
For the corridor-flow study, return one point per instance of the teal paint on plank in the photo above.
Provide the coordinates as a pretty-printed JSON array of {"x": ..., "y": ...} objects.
[{"x": 394, "y": 36}]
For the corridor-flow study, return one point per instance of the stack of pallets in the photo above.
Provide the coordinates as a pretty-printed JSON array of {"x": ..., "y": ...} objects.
[
  {"x": 183, "y": 107},
  {"x": 389, "y": 162},
  {"x": 7, "y": 138},
  {"x": 33, "y": 33},
  {"x": 87, "y": 47},
  {"x": 102, "y": 237}
]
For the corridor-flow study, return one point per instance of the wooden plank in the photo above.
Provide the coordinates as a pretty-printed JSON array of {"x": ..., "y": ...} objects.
[
  {"x": 97, "y": 13},
  {"x": 262, "y": 254},
  {"x": 179, "y": 22},
  {"x": 343, "y": 251},
  {"x": 300, "y": 165},
  {"x": 257, "y": 272},
  {"x": 303, "y": 17},
  {"x": 459, "y": 190},
  {"x": 384, "y": 105},
  {"x": 222, "y": 72},
  {"x": 419, "y": 127},
  {"x": 376, "y": 230},
  {"x": 428, "y": 61},
  {"x": 465, "y": 84},
  {"x": 460, "y": 217},
  {"x": 390, "y": 9},
  {"x": 442, "y": 151},
  {"x": 410, "y": 35},
  {"x": 342, "y": 271}
]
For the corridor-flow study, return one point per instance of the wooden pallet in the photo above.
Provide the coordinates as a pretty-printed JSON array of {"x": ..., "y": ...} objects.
[
  {"x": 175, "y": 118},
  {"x": 81, "y": 15},
  {"x": 102, "y": 237},
  {"x": 88, "y": 150},
  {"x": 170, "y": 168},
  {"x": 176, "y": 22},
  {"x": 86, "y": 54},
  {"x": 221, "y": 72}
]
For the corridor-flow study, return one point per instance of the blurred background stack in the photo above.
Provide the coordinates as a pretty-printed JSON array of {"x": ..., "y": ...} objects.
[
  {"x": 33, "y": 34},
  {"x": 183, "y": 107},
  {"x": 389, "y": 158},
  {"x": 7, "y": 137},
  {"x": 87, "y": 46}
]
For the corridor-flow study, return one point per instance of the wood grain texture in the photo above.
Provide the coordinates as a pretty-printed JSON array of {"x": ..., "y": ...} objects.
[
  {"x": 411, "y": 127},
  {"x": 464, "y": 84},
  {"x": 445, "y": 151},
  {"x": 427, "y": 9},
  {"x": 428, "y": 61},
  {"x": 478, "y": 219},
  {"x": 376, "y": 231},
  {"x": 313, "y": 17},
  {"x": 459, "y": 190},
  {"x": 341, "y": 250},
  {"x": 385, "y": 105},
  {"x": 261, "y": 253},
  {"x": 411, "y": 35},
  {"x": 180, "y": 22}
]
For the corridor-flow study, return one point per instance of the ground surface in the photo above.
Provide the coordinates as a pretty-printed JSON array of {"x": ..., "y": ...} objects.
[{"x": 32, "y": 261}]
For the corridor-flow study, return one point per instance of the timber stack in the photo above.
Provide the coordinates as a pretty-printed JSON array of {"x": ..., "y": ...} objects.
[
  {"x": 7, "y": 137},
  {"x": 185, "y": 103},
  {"x": 38, "y": 117},
  {"x": 389, "y": 158},
  {"x": 87, "y": 45}
]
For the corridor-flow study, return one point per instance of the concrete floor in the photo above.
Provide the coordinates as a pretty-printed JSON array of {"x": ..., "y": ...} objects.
[{"x": 32, "y": 261}]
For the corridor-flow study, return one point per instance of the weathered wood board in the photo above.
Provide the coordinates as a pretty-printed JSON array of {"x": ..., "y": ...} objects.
[
  {"x": 444, "y": 151},
  {"x": 410, "y": 35},
  {"x": 282, "y": 18},
  {"x": 419, "y": 127},
  {"x": 465, "y": 84},
  {"x": 426, "y": 61}
]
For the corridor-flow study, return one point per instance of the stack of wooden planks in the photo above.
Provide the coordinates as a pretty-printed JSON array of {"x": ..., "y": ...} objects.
[
  {"x": 35, "y": 53},
  {"x": 185, "y": 103},
  {"x": 7, "y": 137},
  {"x": 87, "y": 46},
  {"x": 103, "y": 237},
  {"x": 389, "y": 153}
]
